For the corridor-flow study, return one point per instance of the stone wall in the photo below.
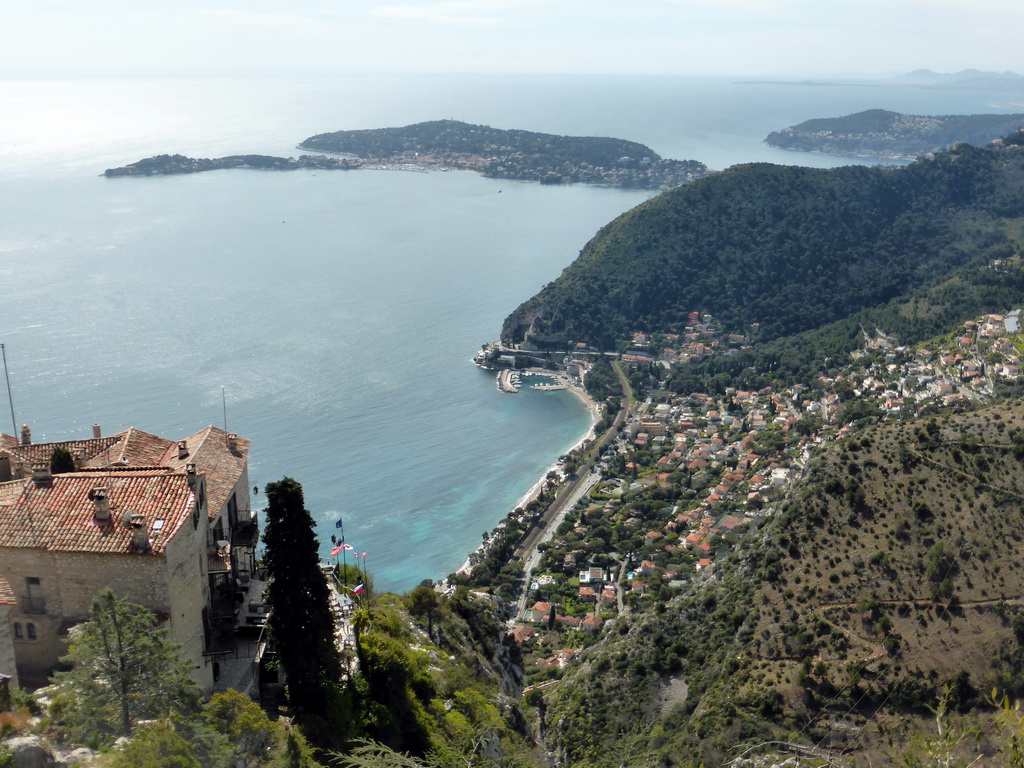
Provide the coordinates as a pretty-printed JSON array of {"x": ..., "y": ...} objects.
[{"x": 8, "y": 666}]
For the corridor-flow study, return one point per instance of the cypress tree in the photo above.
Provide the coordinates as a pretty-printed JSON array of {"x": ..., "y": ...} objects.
[
  {"x": 61, "y": 461},
  {"x": 300, "y": 620}
]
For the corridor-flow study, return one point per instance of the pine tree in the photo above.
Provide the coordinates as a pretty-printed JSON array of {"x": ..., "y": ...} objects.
[
  {"x": 300, "y": 620},
  {"x": 124, "y": 670}
]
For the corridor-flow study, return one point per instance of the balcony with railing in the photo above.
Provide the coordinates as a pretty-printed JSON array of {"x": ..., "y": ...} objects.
[{"x": 218, "y": 558}]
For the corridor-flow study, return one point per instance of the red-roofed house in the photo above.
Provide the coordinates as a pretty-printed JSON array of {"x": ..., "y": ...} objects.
[
  {"x": 540, "y": 611},
  {"x": 523, "y": 634},
  {"x": 164, "y": 524}
]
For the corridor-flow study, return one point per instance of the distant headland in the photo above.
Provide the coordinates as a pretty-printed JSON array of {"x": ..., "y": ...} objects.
[
  {"x": 164, "y": 165},
  {"x": 453, "y": 145},
  {"x": 891, "y": 135}
]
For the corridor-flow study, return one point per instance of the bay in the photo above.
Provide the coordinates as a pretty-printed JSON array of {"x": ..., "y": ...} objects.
[{"x": 338, "y": 311}]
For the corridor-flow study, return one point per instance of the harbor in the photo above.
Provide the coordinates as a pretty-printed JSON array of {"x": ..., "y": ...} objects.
[{"x": 509, "y": 381}]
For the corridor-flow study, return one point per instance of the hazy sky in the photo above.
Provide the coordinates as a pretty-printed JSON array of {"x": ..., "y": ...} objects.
[{"x": 745, "y": 37}]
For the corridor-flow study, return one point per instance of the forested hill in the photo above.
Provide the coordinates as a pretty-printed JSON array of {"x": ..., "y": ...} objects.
[
  {"x": 884, "y": 134},
  {"x": 514, "y": 154},
  {"x": 788, "y": 248}
]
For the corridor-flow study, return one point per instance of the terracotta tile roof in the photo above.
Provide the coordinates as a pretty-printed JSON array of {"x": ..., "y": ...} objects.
[
  {"x": 60, "y": 516},
  {"x": 6, "y": 593},
  {"x": 10, "y": 491},
  {"x": 222, "y": 466},
  {"x": 88, "y": 450},
  {"x": 142, "y": 449},
  {"x": 208, "y": 449}
]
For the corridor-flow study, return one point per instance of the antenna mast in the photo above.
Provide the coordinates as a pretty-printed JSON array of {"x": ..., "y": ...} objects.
[
  {"x": 224, "y": 403},
  {"x": 10, "y": 397}
]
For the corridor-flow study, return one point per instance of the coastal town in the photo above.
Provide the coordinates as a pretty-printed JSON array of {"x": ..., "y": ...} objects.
[
  {"x": 687, "y": 474},
  {"x": 627, "y": 519}
]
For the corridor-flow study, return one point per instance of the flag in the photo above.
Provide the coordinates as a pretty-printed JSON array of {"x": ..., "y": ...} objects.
[
  {"x": 364, "y": 555},
  {"x": 346, "y": 547},
  {"x": 338, "y": 524},
  {"x": 358, "y": 590},
  {"x": 336, "y": 550}
]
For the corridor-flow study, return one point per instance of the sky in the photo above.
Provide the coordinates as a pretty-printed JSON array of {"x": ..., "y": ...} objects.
[{"x": 700, "y": 37}]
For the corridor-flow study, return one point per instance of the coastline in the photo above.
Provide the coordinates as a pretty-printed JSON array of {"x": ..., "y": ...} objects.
[{"x": 595, "y": 415}]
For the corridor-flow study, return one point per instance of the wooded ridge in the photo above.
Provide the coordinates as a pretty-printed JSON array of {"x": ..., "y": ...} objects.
[
  {"x": 884, "y": 134},
  {"x": 788, "y": 248}
]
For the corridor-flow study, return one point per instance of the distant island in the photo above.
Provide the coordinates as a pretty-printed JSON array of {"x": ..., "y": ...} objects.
[
  {"x": 891, "y": 135},
  {"x": 453, "y": 145}
]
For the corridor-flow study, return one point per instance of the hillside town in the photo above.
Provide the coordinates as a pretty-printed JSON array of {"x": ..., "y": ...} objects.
[{"x": 688, "y": 473}]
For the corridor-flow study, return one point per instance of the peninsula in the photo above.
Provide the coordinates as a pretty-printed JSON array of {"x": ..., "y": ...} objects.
[
  {"x": 448, "y": 145},
  {"x": 514, "y": 154},
  {"x": 892, "y": 135}
]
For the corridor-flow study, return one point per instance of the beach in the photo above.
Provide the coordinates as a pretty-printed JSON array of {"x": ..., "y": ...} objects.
[{"x": 595, "y": 415}]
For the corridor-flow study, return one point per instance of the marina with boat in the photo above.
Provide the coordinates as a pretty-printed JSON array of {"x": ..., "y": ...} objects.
[{"x": 510, "y": 381}]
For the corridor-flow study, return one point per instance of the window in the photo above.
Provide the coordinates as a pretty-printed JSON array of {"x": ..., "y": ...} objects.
[
  {"x": 34, "y": 602},
  {"x": 18, "y": 634},
  {"x": 31, "y": 631}
]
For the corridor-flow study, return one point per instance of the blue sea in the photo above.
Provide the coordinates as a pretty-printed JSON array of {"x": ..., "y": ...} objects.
[{"x": 335, "y": 314}]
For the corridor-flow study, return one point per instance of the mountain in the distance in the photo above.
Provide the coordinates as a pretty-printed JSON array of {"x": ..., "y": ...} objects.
[{"x": 966, "y": 77}]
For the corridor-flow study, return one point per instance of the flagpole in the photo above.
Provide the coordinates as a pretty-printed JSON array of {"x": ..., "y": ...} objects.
[
  {"x": 344, "y": 560},
  {"x": 10, "y": 397},
  {"x": 366, "y": 579}
]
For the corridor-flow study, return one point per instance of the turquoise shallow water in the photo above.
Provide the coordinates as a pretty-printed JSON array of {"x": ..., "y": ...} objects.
[{"x": 339, "y": 311}]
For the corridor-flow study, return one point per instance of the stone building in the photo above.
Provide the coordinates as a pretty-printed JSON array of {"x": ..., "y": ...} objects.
[{"x": 166, "y": 524}]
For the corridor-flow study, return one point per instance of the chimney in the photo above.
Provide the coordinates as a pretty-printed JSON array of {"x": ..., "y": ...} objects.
[
  {"x": 182, "y": 449},
  {"x": 41, "y": 474},
  {"x": 190, "y": 474},
  {"x": 101, "y": 503},
  {"x": 26, "y": 435},
  {"x": 232, "y": 441},
  {"x": 96, "y": 432},
  {"x": 140, "y": 536}
]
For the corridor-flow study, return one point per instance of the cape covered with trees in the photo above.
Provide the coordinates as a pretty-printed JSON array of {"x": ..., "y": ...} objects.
[
  {"x": 885, "y": 134},
  {"x": 453, "y": 145},
  {"x": 791, "y": 249},
  {"x": 514, "y": 154}
]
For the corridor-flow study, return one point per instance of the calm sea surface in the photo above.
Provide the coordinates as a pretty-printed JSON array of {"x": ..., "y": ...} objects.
[{"x": 338, "y": 310}]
